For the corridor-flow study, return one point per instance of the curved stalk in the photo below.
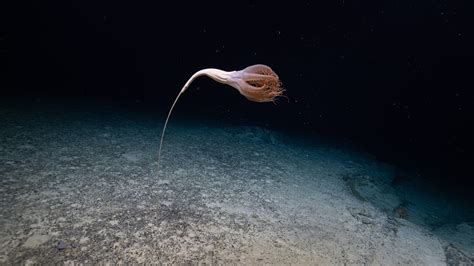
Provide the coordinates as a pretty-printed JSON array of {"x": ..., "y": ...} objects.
[{"x": 215, "y": 74}]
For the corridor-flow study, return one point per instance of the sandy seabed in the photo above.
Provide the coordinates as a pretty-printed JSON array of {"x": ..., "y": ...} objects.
[{"x": 79, "y": 188}]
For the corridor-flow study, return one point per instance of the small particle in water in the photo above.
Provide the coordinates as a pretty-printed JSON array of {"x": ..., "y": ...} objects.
[{"x": 61, "y": 245}]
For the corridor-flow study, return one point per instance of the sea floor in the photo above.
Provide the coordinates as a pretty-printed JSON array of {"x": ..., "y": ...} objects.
[{"x": 82, "y": 185}]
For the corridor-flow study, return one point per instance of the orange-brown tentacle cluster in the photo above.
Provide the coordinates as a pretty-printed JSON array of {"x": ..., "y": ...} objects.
[{"x": 261, "y": 84}]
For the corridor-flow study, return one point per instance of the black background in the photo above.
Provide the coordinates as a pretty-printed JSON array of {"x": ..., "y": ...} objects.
[{"x": 393, "y": 76}]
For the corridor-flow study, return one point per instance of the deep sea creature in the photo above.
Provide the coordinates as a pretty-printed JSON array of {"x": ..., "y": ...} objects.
[{"x": 258, "y": 83}]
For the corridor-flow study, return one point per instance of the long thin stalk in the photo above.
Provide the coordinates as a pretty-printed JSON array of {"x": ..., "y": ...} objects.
[
  {"x": 197, "y": 74},
  {"x": 164, "y": 128}
]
